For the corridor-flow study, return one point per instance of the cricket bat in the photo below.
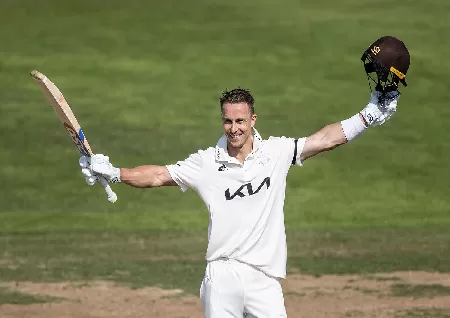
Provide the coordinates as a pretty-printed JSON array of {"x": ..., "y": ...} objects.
[{"x": 67, "y": 117}]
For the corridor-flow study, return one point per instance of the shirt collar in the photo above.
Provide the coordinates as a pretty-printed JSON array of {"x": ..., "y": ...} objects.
[{"x": 222, "y": 151}]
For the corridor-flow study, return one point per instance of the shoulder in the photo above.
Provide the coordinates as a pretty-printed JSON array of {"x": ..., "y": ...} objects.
[
  {"x": 281, "y": 141},
  {"x": 283, "y": 145},
  {"x": 203, "y": 155},
  {"x": 207, "y": 153}
]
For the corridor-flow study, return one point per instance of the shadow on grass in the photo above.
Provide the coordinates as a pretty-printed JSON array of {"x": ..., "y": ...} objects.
[
  {"x": 18, "y": 298},
  {"x": 176, "y": 259},
  {"x": 368, "y": 251},
  {"x": 420, "y": 290},
  {"x": 424, "y": 313}
]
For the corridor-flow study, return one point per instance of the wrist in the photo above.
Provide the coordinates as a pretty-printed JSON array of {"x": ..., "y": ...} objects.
[
  {"x": 353, "y": 126},
  {"x": 369, "y": 114},
  {"x": 100, "y": 165},
  {"x": 364, "y": 121},
  {"x": 115, "y": 175}
]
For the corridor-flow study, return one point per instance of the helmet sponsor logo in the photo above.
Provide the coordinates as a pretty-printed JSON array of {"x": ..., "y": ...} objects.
[{"x": 399, "y": 74}]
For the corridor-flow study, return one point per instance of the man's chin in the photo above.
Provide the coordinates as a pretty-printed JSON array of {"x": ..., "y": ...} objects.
[{"x": 235, "y": 143}]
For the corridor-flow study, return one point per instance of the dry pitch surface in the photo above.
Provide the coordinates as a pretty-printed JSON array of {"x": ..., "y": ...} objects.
[{"x": 399, "y": 294}]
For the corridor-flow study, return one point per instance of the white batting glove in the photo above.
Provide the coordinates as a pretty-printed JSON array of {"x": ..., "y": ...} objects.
[
  {"x": 100, "y": 165},
  {"x": 85, "y": 165},
  {"x": 379, "y": 110}
]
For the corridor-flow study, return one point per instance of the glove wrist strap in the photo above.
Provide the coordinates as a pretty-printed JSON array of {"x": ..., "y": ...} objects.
[
  {"x": 352, "y": 127},
  {"x": 115, "y": 175}
]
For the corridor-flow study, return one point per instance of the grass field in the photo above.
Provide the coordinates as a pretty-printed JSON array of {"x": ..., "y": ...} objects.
[{"x": 144, "y": 77}]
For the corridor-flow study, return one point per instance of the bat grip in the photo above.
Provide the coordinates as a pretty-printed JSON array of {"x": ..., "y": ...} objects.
[{"x": 112, "y": 197}]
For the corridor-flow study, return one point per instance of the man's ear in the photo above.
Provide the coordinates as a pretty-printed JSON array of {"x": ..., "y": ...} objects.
[{"x": 254, "y": 117}]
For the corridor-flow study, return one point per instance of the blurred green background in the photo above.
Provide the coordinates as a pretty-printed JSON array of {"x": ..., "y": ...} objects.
[{"x": 144, "y": 78}]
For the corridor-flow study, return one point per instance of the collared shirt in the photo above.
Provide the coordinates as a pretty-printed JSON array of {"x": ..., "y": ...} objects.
[
  {"x": 245, "y": 200},
  {"x": 222, "y": 152}
]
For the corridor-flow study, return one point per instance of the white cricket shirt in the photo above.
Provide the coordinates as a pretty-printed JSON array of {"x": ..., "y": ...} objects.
[{"x": 245, "y": 201}]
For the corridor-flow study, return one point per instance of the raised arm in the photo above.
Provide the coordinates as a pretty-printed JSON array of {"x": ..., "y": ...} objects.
[
  {"x": 328, "y": 138},
  {"x": 184, "y": 174},
  {"x": 147, "y": 176},
  {"x": 331, "y": 136}
]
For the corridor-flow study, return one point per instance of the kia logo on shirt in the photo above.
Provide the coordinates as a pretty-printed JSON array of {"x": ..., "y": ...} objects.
[{"x": 239, "y": 192}]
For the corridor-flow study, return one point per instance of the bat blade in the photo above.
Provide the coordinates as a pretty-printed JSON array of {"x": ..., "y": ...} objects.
[{"x": 57, "y": 100}]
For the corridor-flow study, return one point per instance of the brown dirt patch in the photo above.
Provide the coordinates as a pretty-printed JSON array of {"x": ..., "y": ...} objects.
[
  {"x": 359, "y": 296},
  {"x": 306, "y": 296},
  {"x": 101, "y": 299}
]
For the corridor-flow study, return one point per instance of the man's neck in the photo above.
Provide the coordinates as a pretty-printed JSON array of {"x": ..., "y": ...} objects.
[{"x": 241, "y": 153}]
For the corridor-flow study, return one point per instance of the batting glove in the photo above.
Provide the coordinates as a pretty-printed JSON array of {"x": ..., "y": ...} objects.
[
  {"x": 100, "y": 165},
  {"x": 89, "y": 176},
  {"x": 380, "y": 108}
]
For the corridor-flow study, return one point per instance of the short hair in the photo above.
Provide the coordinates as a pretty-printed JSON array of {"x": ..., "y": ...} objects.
[{"x": 238, "y": 95}]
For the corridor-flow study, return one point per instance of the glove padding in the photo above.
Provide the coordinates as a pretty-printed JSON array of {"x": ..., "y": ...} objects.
[
  {"x": 380, "y": 108},
  {"x": 97, "y": 165},
  {"x": 85, "y": 165}
]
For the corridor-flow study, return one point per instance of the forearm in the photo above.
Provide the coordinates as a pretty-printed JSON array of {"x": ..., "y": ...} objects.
[
  {"x": 329, "y": 137},
  {"x": 148, "y": 176},
  {"x": 333, "y": 135}
]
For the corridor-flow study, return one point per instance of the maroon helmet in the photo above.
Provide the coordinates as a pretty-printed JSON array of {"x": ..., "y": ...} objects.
[{"x": 386, "y": 63}]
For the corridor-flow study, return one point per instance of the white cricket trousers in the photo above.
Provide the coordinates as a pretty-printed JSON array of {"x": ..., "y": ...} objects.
[{"x": 231, "y": 289}]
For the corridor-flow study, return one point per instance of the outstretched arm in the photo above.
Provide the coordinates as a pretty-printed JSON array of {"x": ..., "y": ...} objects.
[
  {"x": 184, "y": 174},
  {"x": 331, "y": 136},
  {"x": 147, "y": 176}
]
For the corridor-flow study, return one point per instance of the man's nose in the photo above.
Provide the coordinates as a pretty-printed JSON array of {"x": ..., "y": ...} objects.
[{"x": 234, "y": 127}]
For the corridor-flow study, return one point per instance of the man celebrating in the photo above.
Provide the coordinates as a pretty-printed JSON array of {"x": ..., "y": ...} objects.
[{"x": 242, "y": 181}]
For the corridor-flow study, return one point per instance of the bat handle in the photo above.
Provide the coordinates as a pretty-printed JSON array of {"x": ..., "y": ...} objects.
[{"x": 112, "y": 197}]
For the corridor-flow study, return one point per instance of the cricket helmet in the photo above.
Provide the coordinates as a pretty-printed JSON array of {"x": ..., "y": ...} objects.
[{"x": 386, "y": 62}]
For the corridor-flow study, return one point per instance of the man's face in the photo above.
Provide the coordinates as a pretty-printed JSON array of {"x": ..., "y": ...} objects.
[{"x": 237, "y": 122}]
